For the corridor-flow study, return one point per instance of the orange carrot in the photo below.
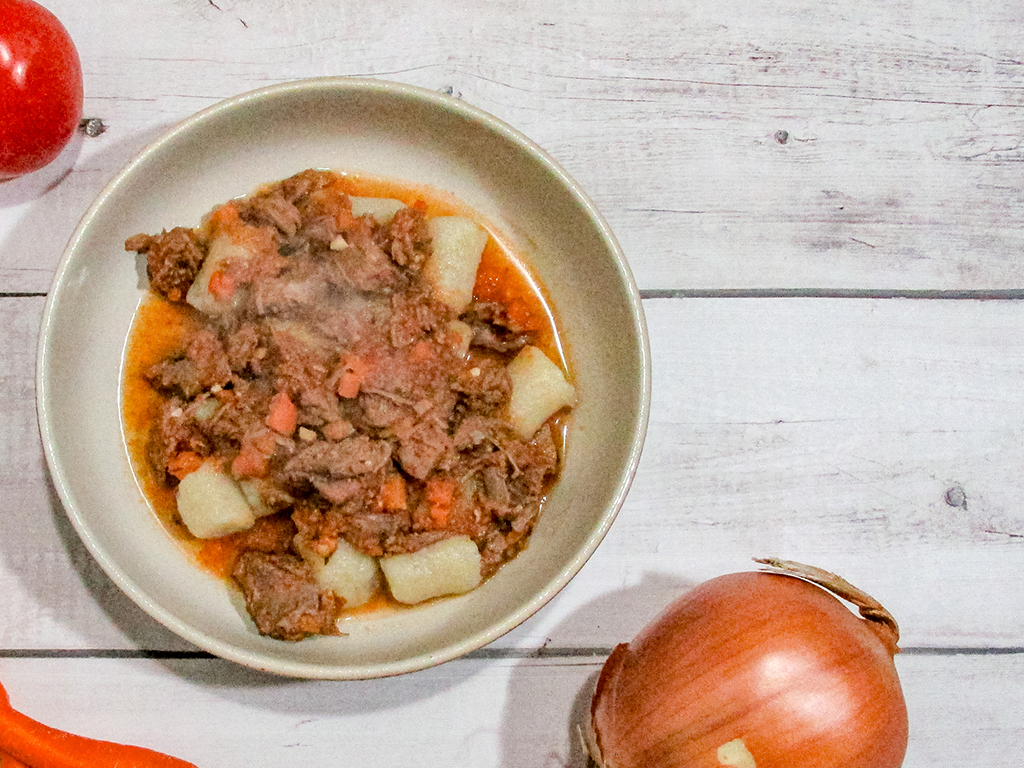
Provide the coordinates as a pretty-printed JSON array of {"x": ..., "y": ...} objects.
[
  {"x": 441, "y": 498},
  {"x": 6, "y": 761},
  {"x": 255, "y": 453},
  {"x": 221, "y": 285},
  {"x": 250, "y": 461},
  {"x": 226, "y": 217},
  {"x": 393, "y": 497},
  {"x": 181, "y": 464},
  {"x": 34, "y": 745},
  {"x": 283, "y": 416},
  {"x": 355, "y": 370}
]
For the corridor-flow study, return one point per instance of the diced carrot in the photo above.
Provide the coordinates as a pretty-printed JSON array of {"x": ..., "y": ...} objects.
[
  {"x": 222, "y": 285},
  {"x": 184, "y": 463},
  {"x": 283, "y": 416},
  {"x": 441, "y": 499},
  {"x": 354, "y": 372},
  {"x": 393, "y": 497},
  {"x": 253, "y": 459},
  {"x": 250, "y": 461},
  {"x": 348, "y": 385},
  {"x": 226, "y": 216}
]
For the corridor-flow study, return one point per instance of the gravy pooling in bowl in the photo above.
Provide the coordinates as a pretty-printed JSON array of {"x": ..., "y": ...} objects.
[{"x": 342, "y": 391}]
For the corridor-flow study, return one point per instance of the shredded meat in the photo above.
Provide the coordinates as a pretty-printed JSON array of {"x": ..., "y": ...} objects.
[
  {"x": 334, "y": 313},
  {"x": 283, "y": 598},
  {"x": 172, "y": 260}
]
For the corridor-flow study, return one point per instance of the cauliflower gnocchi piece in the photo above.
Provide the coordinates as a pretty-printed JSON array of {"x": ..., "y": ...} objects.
[
  {"x": 539, "y": 389},
  {"x": 382, "y": 209},
  {"x": 211, "y": 503},
  {"x": 449, "y": 567},
  {"x": 458, "y": 244},
  {"x": 348, "y": 573}
]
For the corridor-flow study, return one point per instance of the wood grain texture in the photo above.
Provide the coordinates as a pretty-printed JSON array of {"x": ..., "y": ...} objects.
[
  {"x": 465, "y": 714},
  {"x": 731, "y": 145}
]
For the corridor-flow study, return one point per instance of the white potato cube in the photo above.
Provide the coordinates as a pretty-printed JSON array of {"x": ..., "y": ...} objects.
[
  {"x": 539, "y": 389},
  {"x": 348, "y": 573},
  {"x": 449, "y": 567},
  {"x": 382, "y": 209},
  {"x": 457, "y": 245},
  {"x": 222, "y": 252},
  {"x": 211, "y": 504}
]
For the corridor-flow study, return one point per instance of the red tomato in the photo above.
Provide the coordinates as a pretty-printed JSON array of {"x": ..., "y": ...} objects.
[{"x": 40, "y": 87}]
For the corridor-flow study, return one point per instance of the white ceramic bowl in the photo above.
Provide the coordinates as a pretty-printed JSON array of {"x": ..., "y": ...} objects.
[{"x": 384, "y": 129}]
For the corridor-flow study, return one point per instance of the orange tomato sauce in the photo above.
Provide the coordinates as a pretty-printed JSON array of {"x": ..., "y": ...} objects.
[{"x": 161, "y": 328}]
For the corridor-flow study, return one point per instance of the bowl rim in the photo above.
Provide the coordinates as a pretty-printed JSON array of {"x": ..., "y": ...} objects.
[{"x": 311, "y": 670}]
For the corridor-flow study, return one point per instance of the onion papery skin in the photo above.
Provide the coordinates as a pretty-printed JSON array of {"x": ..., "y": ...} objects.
[{"x": 767, "y": 658}]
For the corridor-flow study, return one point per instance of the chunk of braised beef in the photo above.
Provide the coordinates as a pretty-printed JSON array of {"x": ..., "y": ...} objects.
[
  {"x": 302, "y": 367},
  {"x": 351, "y": 457},
  {"x": 380, "y": 409},
  {"x": 286, "y": 295},
  {"x": 413, "y": 541},
  {"x": 303, "y": 183},
  {"x": 408, "y": 239},
  {"x": 370, "y": 532},
  {"x": 173, "y": 260},
  {"x": 246, "y": 350},
  {"x": 207, "y": 351},
  {"x": 536, "y": 461},
  {"x": 414, "y": 315},
  {"x": 175, "y": 433},
  {"x": 366, "y": 266},
  {"x": 475, "y": 430},
  {"x": 241, "y": 410},
  {"x": 338, "y": 491},
  {"x": 179, "y": 377},
  {"x": 496, "y": 486},
  {"x": 271, "y": 208},
  {"x": 484, "y": 384},
  {"x": 283, "y": 597},
  {"x": 315, "y": 235},
  {"x": 422, "y": 446},
  {"x": 271, "y": 534},
  {"x": 494, "y": 329}
]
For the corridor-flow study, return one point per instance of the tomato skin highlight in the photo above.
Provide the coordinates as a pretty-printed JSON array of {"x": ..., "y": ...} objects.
[{"x": 41, "y": 88}]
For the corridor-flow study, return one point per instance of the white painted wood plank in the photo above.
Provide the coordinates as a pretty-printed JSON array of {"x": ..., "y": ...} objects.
[
  {"x": 828, "y": 431},
  {"x": 898, "y": 168},
  {"x": 964, "y": 710},
  {"x": 837, "y": 433}
]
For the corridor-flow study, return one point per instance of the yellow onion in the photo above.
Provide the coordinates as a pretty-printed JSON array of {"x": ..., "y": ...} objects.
[{"x": 766, "y": 669}]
